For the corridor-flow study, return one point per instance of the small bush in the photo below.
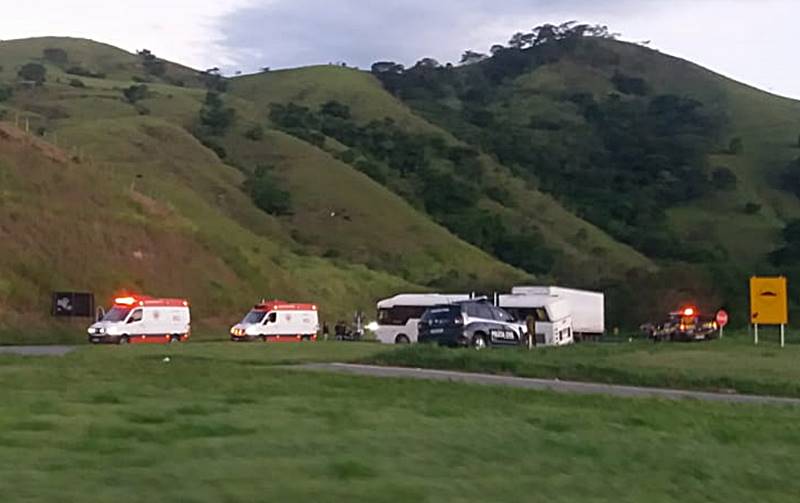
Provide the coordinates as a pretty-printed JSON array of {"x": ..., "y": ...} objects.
[
  {"x": 56, "y": 56},
  {"x": 135, "y": 93},
  {"x": 724, "y": 179},
  {"x": 265, "y": 192},
  {"x": 736, "y": 146},
  {"x": 33, "y": 72},
  {"x": 214, "y": 146},
  {"x": 752, "y": 208},
  {"x": 83, "y": 72},
  {"x": 76, "y": 83},
  {"x": 5, "y": 93},
  {"x": 255, "y": 133}
]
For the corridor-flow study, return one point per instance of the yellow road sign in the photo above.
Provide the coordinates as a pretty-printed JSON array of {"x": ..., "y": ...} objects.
[{"x": 768, "y": 305}]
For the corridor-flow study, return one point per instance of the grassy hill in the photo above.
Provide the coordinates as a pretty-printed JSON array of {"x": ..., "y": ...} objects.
[
  {"x": 135, "y": 201},
  {"x": 121, "y": 181},
  {"x": 594, "y": 254}
]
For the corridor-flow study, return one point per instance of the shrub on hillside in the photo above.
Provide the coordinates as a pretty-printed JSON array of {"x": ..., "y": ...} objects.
[
  {"x": 215, "y": 117},
  {"x": 629, "y": 85},
  {"x": 752, "y": 208},
  {"x": 33, "y": 72},
  {"x": 152, "y": 65},
  {"x": 214, "y": 146},
  {"x": 255, "y": 133},
  {"x": 135, "y": 93},
  {"x": 724, "y": 179},
  {"x": 264, "y": 189},
  {"x": 79, "y": 71},
  {"x": 76, "y": 83},
  {"x": 5, "y": 93},
  {"x": 736, "y": 146},
  {"x": 56, "y": 56}
]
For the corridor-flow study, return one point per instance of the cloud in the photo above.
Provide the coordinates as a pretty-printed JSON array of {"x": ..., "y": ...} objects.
[
  {"x": 303, "y": 32},
  {"x": 725, "y": 35},
  {"x": 181, "y": 30},
  {"x": 720, "y": 34}
]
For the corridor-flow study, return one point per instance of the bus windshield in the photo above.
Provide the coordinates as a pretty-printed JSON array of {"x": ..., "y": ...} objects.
[
  {"x": 117, "y": 314},
  {"x": 254, "y": 317}
]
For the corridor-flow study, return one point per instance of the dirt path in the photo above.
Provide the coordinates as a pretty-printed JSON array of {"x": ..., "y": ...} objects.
[{"x": 544, "y": 384}]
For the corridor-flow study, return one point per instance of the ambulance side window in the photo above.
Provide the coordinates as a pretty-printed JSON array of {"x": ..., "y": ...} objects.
[
  {"x": 273, "y": 317},
  {"x": 136, "y": 316}
]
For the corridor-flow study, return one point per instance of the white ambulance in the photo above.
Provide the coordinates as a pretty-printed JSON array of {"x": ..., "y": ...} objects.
[
  {"x": 278, "y": 321},
  {"x": 143, "y": 320}
]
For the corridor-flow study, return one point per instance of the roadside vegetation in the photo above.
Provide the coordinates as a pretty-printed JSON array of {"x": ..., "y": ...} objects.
[
  {"x": 220, "y": 422},
  {"x": 730, "y": 365}
]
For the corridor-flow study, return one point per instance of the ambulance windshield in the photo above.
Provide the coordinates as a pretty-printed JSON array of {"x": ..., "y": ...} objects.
[
  {"x": 117, "y": 314},
  {"x": 254, "y": 317}
]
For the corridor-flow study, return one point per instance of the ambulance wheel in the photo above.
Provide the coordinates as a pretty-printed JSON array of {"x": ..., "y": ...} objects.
[
  {"x": 402, "y": 339},
  {"x": 306, "y": 338},
  {"x": 123, "y": 340},
  {"x": 174, "y": 339},
  {"x": 263, "y": 338}
]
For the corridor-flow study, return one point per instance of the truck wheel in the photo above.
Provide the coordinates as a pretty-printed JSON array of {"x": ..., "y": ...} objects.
[
  {"x": 402, "y": 339},
  {"x": 479, "y": 342}
]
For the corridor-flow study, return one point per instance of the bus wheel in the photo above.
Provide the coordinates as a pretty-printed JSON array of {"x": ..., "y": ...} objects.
[{"x": 402, "y": 339}]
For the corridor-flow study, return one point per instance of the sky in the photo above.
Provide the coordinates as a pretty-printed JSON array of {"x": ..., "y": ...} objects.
[{"x": 750, "y": 40}]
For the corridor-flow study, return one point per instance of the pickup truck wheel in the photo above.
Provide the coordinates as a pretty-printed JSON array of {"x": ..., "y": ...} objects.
[
  {"x": 402, "y": 339},
  {"x": 479, "y": 341}
]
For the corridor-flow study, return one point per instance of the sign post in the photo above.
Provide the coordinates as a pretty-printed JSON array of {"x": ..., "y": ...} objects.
[
  {"x": 722, "y": 320},
  {"x": 768, "y": 304}
]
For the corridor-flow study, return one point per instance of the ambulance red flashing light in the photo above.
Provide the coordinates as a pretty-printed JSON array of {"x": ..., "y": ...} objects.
[{"x": 141, "y": 300}]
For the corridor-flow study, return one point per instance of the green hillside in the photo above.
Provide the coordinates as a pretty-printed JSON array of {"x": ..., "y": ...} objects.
[
  {"x": 579, "y": 160},
  {"x": 592, "y": 253}
]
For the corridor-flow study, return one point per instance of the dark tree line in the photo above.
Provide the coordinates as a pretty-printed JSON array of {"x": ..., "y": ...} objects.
[{"x": 634, "y": 156}]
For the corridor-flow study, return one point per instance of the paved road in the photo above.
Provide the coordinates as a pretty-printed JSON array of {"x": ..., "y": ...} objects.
[
  {"x": 544, "y": 384},
  {"x": 36, "y": 350}
]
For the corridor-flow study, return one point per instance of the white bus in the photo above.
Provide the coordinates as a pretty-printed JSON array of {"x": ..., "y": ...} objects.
[{"x": 399, "y": 315}]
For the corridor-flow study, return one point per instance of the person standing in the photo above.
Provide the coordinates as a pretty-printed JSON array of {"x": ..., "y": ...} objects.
[{"x": 530, "y": 321}]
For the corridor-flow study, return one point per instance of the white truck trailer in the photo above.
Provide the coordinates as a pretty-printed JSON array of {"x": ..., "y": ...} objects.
[{"x": 586, "y": 308}]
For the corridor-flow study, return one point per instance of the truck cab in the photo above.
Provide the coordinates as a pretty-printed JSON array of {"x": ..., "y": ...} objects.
[
  {"x": 278, "y": 321},
  {"x": 143, "y": 320}
]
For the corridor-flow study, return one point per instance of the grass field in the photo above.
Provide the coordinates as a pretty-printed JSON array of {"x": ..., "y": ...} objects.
[
  {"x": 732, "y": 364},
  {"x": 221, "y": 423}
]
